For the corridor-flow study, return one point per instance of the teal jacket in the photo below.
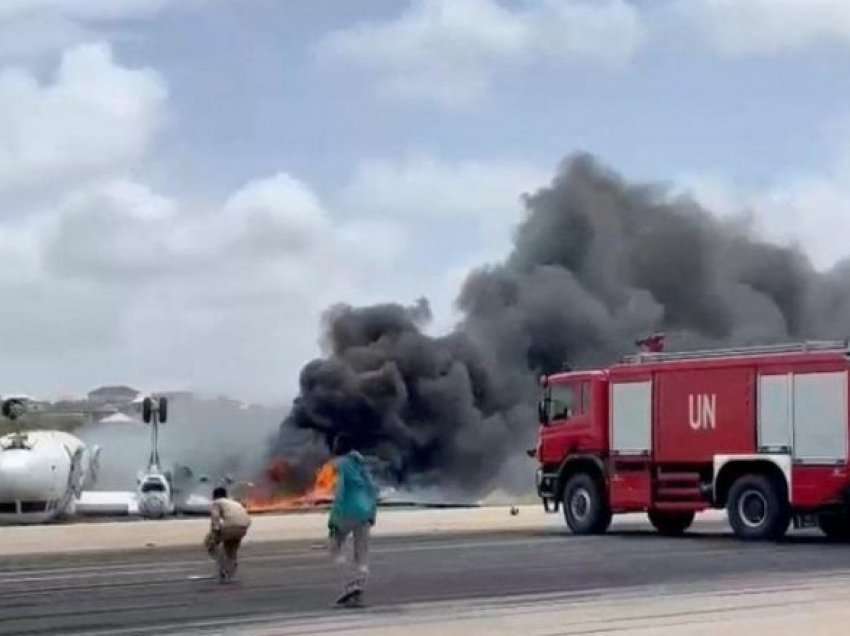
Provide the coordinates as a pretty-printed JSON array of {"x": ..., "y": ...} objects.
[{"x": 356, "y": 497}]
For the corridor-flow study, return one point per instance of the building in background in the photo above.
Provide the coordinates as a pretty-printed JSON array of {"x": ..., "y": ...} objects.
[{"x": 114, "y": 395}]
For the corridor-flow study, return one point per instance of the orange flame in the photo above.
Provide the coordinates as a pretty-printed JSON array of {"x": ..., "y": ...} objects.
[{"x": 322, "y": 491}]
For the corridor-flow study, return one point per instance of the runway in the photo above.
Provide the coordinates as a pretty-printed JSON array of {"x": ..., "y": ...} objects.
[{"x": 288, "y": 587}]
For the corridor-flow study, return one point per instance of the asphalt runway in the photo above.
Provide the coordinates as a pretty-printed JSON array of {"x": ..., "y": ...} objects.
[{"x": 159, "y": 591}]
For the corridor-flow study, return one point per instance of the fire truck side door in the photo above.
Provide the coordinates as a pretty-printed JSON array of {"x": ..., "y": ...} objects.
[{"x": 570, "y": 424}]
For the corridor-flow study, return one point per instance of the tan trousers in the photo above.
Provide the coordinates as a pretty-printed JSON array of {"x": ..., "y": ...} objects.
[
  {"x": 223, "y": 546},
  {"x": 354, "y": 574}
]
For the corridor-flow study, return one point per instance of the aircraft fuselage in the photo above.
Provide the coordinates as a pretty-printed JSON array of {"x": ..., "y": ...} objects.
[{"x": 41, "y": 473}]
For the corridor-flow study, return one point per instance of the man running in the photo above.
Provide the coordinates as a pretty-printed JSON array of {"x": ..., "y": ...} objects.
[
  {"x": 229, "y": 522},
  {"x": 353, "y": 513}
]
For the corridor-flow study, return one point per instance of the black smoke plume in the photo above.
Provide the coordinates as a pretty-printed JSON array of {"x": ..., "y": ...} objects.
[{"x": 597, "y": 262}]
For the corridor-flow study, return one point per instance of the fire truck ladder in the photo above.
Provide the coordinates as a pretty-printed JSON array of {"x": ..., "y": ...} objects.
[
  {"x": 811, "y": 346},
  {"x": 677, "y": 490}
]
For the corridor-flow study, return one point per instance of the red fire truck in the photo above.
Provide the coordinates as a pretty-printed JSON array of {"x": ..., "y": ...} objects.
[{"x": 759, "y": 431}]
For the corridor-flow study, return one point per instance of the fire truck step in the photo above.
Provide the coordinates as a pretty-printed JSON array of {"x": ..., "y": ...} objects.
[
  {"x": 686, "y": 477},
  {"x": 679, "y": 493}
]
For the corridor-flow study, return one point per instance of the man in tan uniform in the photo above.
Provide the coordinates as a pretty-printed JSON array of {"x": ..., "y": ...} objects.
[{"x": 229, "y": 522}]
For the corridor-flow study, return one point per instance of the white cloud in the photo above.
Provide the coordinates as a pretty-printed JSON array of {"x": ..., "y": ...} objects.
[
  {"x": 33, "y": 28},
  {"x": 19, "y": 244},
  {"x": 277, "y": 213},
  {"x": 93, "y": 115},
  {"x": 387, "y": 240},
  {"x": 26, "y": 36},
  {"x": 105, "y": 279},
  {"x": 90, "y": 119},
  {"x": 459, "y": 215},
  {"x": 449, "y": 51},
  {"x": 143, "y": 287},
  {"x": 745, "y": 27},
  {"x": 607, "y": 31},
  {"x": 807, "y": 211},
  {"x": 117, "y": 231},
  {"x": 82, "y": 9},
  {"x": 480, "y": 199},
  {"x": 270, "y": 231}
]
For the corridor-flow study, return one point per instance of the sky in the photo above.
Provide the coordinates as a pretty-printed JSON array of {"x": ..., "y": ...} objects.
[{"x": 187, "y": 185}]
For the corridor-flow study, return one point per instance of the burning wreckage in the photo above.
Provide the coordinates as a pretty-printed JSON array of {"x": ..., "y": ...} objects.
[
  {"x": 294, "y": 481},
  {"x": 595, "y": 261},
  {"x": 275, "y": 493}
]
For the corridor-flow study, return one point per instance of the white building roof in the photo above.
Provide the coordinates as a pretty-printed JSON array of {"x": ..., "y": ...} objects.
[{"x": 119, "y": 418}]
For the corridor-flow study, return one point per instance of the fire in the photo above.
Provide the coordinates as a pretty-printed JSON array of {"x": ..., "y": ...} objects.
[
  {"x": 326, "y": 481},
  {"x": 321, "y": 492}
]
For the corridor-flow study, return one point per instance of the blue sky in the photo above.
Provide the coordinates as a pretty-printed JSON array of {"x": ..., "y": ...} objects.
[
  {"x": 677, "y": 106},
  {"x": 205, "y": 177}
]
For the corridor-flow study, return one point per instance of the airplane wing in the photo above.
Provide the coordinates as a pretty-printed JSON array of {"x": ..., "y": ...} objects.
[
  {"x": 106, "y": 503},
  {"x": 193, "y": 504},
  {"x": 94, "y": 503}
]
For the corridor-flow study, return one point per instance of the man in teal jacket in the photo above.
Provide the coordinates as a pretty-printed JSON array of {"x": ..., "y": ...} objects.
[{"x": 353, "y": 512}]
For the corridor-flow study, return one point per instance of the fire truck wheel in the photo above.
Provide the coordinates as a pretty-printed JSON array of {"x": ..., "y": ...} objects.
[
  {"x": 585, "y": 507},
  {"x": 756, "y": 508},
  {"x": 835, "y": 526},
  {"x": 671, "y": 523}
]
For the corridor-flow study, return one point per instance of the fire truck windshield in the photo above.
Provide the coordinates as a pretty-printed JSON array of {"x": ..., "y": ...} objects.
[{"x": 562, "y": 401}]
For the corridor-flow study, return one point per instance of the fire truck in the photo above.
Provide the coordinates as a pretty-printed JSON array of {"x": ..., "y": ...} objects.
[{"x": 761, "y": 432}]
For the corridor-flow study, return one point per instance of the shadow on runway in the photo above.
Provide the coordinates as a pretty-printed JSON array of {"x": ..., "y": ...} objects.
[{"x": 807, "y": 536}]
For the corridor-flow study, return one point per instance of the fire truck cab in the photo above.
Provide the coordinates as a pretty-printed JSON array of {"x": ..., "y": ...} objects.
[{"x": 759, "y": 431}]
